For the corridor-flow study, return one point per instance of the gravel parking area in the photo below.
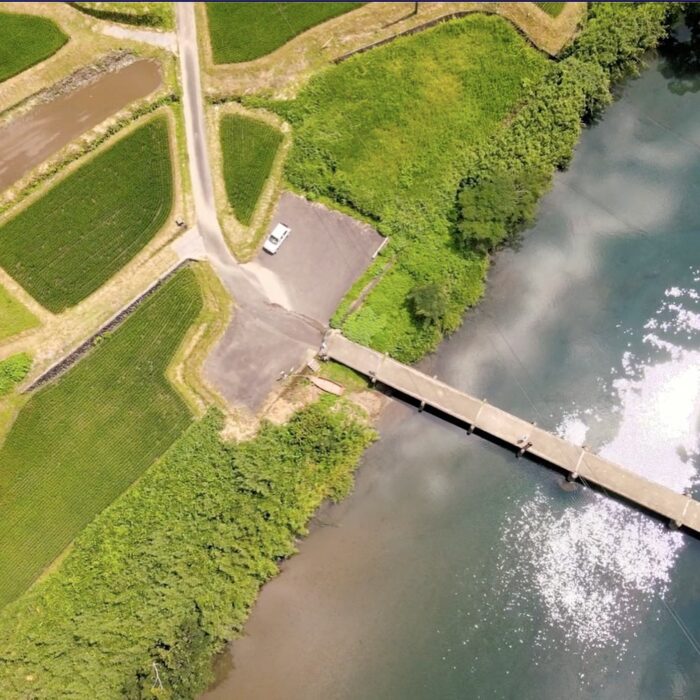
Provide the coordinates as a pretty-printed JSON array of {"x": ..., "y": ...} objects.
[{"x": 324, "y": 254}]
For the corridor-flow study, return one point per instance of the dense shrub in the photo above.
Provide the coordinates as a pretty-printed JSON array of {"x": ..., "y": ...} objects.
[
  {"x": 143, "y": 14},
  {"x": 389, "y": 133},
  {"x": 507, "y": 177},
  {"x": 169, "y": 572},
  {"x": 13, "y": 370}
]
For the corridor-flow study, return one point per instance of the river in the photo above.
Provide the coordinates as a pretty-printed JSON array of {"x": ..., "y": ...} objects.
[{"x": 455, "y": 570}]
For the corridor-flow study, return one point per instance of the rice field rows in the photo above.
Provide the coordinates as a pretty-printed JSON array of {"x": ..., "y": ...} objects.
[
  {"x": 80, "y": 442},
  {"x": 243, "y": 31},
  {"x": 14, "y": 317},
  {"x": 249, "y": 147},
  {"x": 26, "y": 40},
  {"x": 67, "y": 244}
]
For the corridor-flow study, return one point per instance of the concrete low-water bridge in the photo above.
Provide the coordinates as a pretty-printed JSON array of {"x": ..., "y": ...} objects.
[{"x": 525, "y": 437}]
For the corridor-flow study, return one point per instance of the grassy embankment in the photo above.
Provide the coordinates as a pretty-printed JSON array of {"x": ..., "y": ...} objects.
[
  {"x": 80, "y": 441},
  {"x": 551, "y": 8},
  {"x": 169, "y": 571},
  {"x": 159, "y": 15},
  {"x": 243, "y": 31},
  {"x": 26, "y": 40},
  {"x": 14, "y": 317},
  {"x": 68, "y": 243},
  {"x": 445, "y": 141},
  {"x": 388, "y": 134},
  {"x": 249, "y": 147}
]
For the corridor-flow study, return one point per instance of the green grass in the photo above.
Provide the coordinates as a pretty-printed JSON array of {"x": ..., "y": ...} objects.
[
  {"x": 243, "y": 31},
  {"x": 170, "y": 571},
  {"x": 249, "y": 147},
  {"x": 343, "y": 375},
  {"x": 551, "y": 8},
  {"x": 389, "y": 133},
  {"x": 147, "y": 14},
  {"x": 14, "y": 317},
  {"x": 82, "y": 440},
  {"x": 26, "y": 40},
  {"x": 12, "y": 371},
  {"x": 68, "y": 243}
]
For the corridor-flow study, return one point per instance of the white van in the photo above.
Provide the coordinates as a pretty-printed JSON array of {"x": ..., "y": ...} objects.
[{"x": 276, "y": 238}]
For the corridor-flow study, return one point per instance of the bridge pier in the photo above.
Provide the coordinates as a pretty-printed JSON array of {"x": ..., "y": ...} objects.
[
  {"x": 520, "y": 435},
  {"x": 524, "y": 449}
]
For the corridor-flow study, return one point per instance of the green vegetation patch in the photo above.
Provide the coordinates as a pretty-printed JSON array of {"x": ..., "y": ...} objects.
[
  {"x": 81, "y": 441},
  {"x": 145, "y": 14},
  {"x": 551, "y": 8},
  {"x": 170, "y": 571},
  {"x": 389, "y": 134},
  {"x": 26, "y": 40},
  {"x": 351, "y": 380},
  {"x": 14, "y": 317},
  {"x": 249, "y": 147},
  {"x": 68, "y": 243},
  {"x": 243, "y": 31},
  {"x": 12, "y": 371}
]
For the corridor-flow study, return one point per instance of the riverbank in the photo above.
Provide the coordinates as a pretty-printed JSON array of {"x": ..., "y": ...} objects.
[
  {"x": 432, "y": 192},
  {"x": 189, "y": 546},
  {"x": 541, "y": 139},
  {"x": 178, "y": 649},
  {"x": 455, "y": 570}
]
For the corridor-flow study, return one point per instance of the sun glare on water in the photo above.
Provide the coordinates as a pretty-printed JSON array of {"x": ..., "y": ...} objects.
[{"x": 598, "y": 568}]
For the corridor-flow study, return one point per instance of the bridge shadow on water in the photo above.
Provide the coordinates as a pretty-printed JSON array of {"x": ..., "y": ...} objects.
[{"x": 572, "y": 489}]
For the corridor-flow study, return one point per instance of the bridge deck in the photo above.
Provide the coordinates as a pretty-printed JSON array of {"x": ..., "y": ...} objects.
[{"x": 677, "y": 507}]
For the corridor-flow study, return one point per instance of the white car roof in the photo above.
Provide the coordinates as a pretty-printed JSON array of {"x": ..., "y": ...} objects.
[{"x": 279, "y": 230}]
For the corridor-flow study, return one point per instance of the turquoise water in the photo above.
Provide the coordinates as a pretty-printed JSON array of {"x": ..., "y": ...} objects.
[{"x": 456, "y": 570}]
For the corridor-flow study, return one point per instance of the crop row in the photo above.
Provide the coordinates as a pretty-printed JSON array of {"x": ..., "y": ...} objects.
[
  {"x": 81, "y": 441},
  {"x": 68, "y": 243}
]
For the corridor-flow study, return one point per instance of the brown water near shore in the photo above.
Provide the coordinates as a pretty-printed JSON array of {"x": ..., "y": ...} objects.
[{"x": 35, "y": 136}]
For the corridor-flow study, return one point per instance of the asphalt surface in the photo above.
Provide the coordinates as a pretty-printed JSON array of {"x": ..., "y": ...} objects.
[
  {"x": 263, "y": 339},
  {"x": 323, "y": 255}
]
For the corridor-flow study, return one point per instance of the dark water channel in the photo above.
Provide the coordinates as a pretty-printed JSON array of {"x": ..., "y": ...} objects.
[
  {"x": 456, "y": 571},
  {"x": 35, "y": 136}
]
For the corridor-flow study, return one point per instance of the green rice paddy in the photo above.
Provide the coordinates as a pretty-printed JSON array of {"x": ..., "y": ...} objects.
[
  {"x": 79, "y": 442},
  {"x": 14, "y": 317},
  {"x": 67, "y": 244},
  {"x": 243, "y": 31},
  {"x": 26, "y": 40},
  {"x": 249, "y": 147}
]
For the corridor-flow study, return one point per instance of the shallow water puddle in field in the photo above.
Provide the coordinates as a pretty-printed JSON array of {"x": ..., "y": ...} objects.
[{"x": 35, "y": 136}]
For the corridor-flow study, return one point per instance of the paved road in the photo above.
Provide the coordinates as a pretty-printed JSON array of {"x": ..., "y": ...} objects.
[{"x": 263, "y": 339}]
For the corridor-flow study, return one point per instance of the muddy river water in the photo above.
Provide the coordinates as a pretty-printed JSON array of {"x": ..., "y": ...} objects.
[
  {"x": 35, "y": 136},
  {"x": 456, "y": 571}
]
